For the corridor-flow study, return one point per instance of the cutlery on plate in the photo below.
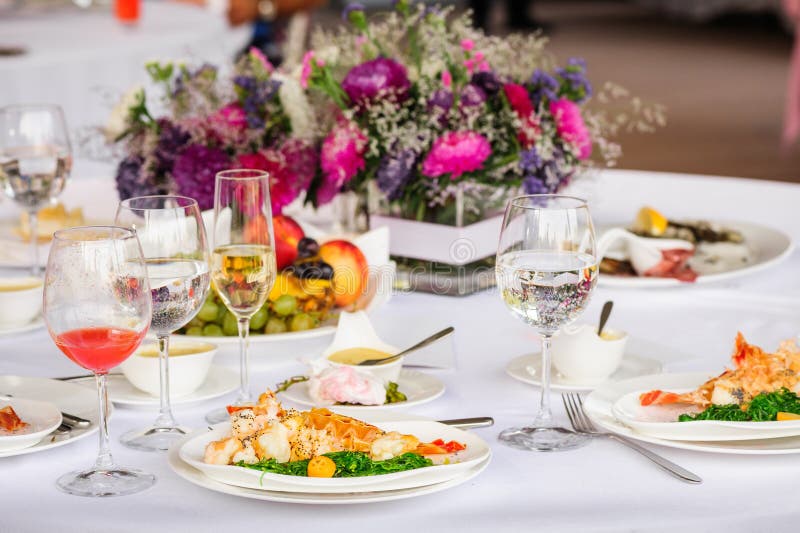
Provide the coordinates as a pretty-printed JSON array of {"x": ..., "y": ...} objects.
[
  {"x": 582, "y": 424},
  {"x": 604, "y": 314},
  {"x": 433, "y": 338},
  {"x": 469, "y": 423},
  {"x": 73, "y": 421},
  {"x": 84, "y": 376}
]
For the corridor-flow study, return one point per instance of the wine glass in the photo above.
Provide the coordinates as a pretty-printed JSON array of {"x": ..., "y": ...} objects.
[
  {"x": 97, "y": 309},
  {"x": 173, "y": 239},
  {"x": 35, "y": 160},
  {"x": 243, "y": 261},
  {"x": 546, "y": 270}
]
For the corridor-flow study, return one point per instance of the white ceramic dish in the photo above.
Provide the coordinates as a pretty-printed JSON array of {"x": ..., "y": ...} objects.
[
  {"x": 36, "y": 323},
  {"x": 770, "y": 246},
  {"x": 599, "y": 405},
  {"x": 419, "y": 388},
  {"x": 19, "y": 307},
  {"x": 198, "y": 478},
  {"x": 187, "y": 372},
  {"x": 68, "y": 397},
  {"x": 219, "y": 382},
  {"x": 41, "y": 419},
  {"x": 581, "y": 356},
  {"x": 356, "y": 331},
  {"x": 528, "y": 369},
  {"x": 477, "y": 451}
]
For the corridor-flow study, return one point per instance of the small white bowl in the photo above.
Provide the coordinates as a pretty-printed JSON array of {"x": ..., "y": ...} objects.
[
  {"x": 189, "y": 362},
  {"x": 581, "y": 356},
  {"x": 356, "y": 331},
  {"x": 20, "y": 301}
]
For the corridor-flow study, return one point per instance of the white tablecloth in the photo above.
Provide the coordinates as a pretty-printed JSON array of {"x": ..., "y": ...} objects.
[
  {"x": 84, "y": 60},
  {"x": 602, "y": 487}
]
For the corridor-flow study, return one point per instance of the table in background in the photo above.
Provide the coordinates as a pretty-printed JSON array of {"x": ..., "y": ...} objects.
[{"x": 602, "y": 486}]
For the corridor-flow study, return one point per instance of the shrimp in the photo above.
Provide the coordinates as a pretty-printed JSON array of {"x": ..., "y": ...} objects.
[{"x": 221, "y": 452}]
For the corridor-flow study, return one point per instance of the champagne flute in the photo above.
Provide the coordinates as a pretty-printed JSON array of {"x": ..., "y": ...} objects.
[
  {"x": 243, "y": 261},
  {"x": 97, "y": 309},
  {"x": 35, "y": 160},
  {"x": 173, "y": 239},
  {"x": 546, "y": 271}
]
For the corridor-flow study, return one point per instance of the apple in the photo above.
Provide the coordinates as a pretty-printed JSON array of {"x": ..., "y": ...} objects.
[
  {"x": 350, "y": 270},
  {"x": 287, "y": 234}
]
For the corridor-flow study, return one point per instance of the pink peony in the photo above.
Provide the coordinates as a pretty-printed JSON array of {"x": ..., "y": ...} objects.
[
  {"x": 447, "y": 79},
  {"x": 308, "y": 68},
  {"x": 232, "y": 116},
  {"x": 455, "y": 153},
  {"x": 571, "y": 127},
  {"x": 341, "y": 157},
  {"x": 521, "y": 104}
]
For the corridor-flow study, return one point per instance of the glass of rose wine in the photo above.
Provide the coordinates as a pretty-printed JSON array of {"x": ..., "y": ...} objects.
[
  {"x": 97, "y": 309},
  {"x": 35, "y": 161},
  {"x": 243, "y": 265},
  {"x": 546, "y": 271},
  {"x": 173, "y": 239}
]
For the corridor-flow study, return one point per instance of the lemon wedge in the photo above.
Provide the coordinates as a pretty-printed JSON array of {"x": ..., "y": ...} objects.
[
  {"x": 783, "y": 416},
  {"x": 650, "y": 222}
]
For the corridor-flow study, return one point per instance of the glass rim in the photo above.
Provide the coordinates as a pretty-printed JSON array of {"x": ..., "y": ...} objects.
[
  {"x": 517, "y": 201},
  {"x": 126, "y": 233},
  {"x": 231, "y": 174},
  {"x": 190, "y": 202},
  {"x": 32, "y": 106}
]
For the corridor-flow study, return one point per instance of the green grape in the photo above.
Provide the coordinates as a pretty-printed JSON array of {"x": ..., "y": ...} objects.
[
  {"x": 212, "y": 330},
  {"x": 208, "y": 313},
  {"x": 259, "y": 320},
  {"x": 275, "y": 325},
  {"x": 230, "y": 326},
  {"x": 195, "y": 331},
  {"x": 221, "y": 313},
  {"x": 302, "y": 322},
  {"x": 195, "y": 323},
  {"x": 285, "y": 305}
]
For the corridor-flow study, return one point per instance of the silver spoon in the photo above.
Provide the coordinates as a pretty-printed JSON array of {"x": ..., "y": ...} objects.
[
  {"x": 604, "y": 314},
  {"x": 433, "y": 338}
]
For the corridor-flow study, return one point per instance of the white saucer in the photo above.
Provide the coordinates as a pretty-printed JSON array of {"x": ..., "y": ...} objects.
[
  {"x": 220, "y": 381},
  {"x": 40, "y": 418},
  {"x": 419, "y": 388},
  {"x": 35, "y": 324},
  {"x": 528, "y": 369}
]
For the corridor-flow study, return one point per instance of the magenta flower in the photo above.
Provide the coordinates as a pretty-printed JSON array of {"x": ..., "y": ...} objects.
[
  {"x": 378, "y": 77},
  {"x": 571, "y": 127},
  {"x": 455, "y": 153},
  {"x": 232, "y": 116},
  {"x": 308, "y": 67},
  {"x": 195, "y": 171},
  {"x": 261, "y": 58},
  {"x": 341, "y": 157}
]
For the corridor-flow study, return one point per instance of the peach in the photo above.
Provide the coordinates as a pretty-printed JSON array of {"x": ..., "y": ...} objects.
[
  {"x": 287, "y": 234},
  {"x": 350, "y": 270}
]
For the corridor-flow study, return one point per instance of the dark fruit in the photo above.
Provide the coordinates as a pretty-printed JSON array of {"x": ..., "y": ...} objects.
[
  {"x": 307, "y": 247},
  {"x": 312, "y": 270}
]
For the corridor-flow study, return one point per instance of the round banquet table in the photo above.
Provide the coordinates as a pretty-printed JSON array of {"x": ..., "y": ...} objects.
[
  {"x": 600, "y": 487},
  {"x": 84, "y": 60}
]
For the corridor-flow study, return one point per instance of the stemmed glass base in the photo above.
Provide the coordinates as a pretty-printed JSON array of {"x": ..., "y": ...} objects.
[
  {"x": 542, "y": 439},
  {"x": 154, "y": 439},
  {"x": 101, "y": 482}
]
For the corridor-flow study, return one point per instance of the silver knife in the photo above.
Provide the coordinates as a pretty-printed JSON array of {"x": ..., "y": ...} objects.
[
  {"x": 73, "y": 421},
  {"x": 469, "y": 423}
]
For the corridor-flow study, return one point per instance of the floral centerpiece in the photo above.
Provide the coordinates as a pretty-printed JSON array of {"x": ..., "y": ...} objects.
[{"x": 257, "y": 119}]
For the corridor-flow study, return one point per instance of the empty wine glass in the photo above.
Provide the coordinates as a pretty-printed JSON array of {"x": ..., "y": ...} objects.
[
  {"x": 546, "y": 271},
  {"x": 243, "y": 265},
  {"x": 35, "y": 160},
  {"x": 173, "y": 239},
  {"x": 97, "y": 309}
]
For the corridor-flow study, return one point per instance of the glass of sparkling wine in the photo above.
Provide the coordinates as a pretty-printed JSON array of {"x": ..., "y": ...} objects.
[
  {"x": 173, "y": 239},
  {"x": 97, "y": 308},
  {"x": 243, "y": 261},
  {"x": 35, "y": 160},
  {"x": 546, "y": 270}
]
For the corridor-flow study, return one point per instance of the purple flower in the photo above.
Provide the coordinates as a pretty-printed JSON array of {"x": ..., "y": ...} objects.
[
  {"x": 439, "y": 105},
  {"x": 542, "y": 86},
  {"x": 378, "y": 77},
  {"x": 472, "y": 95},
  {"x": 134, "y": 180},
  {"x": 544, "y": 176},
  {"x": 533, "y": 185},
  {"x": 488, "y": 81},
  {"x": 575, "y": 85},
  {"x": 394, "y": 172},
  {"x": 529, "y": 160},
  {"x": 171, "y": 140},
  {"x": 195, "y": 171}
]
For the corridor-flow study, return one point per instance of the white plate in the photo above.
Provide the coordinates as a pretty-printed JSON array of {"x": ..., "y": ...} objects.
[
  {"x": 770, "y": 246},
  {"x": 476, "y": 453},
  {"x": 220, "y": 381},
  {"x": 600, "y": 402},
  {"x": 41, "y": 419},
  {"x": 35, "y": 324},
  {"x": 661, "y": 421},
  {"x": 528, "y": 369},
  {"x": 68, "y": 397},
  {"x": 419, "y": 388},
  {"x": 322, "y": 331}
]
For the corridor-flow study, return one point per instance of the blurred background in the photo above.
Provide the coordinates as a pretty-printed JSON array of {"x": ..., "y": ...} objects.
[{"x": 719, "y": 66}]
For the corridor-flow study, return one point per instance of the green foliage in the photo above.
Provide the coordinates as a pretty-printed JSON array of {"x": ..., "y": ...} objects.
[
  {"x": 348, "y": 464},
  {"x": 763, "y": 408}
]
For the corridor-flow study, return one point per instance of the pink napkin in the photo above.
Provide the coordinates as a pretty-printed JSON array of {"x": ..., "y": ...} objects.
[{"x": 791, "y": 126}]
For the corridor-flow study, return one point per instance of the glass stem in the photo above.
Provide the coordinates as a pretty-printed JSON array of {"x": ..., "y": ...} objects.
[
  {"x": 33, "y": 224},
  {"x": 244, "y": 370},
  {"x": 165, "y": 418},
  {"x": 104, "y": 460},
  {"x": 545, "y": 416}
]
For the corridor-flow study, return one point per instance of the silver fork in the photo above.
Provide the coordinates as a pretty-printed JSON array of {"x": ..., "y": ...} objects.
[{"x": 582, "y": 424}]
